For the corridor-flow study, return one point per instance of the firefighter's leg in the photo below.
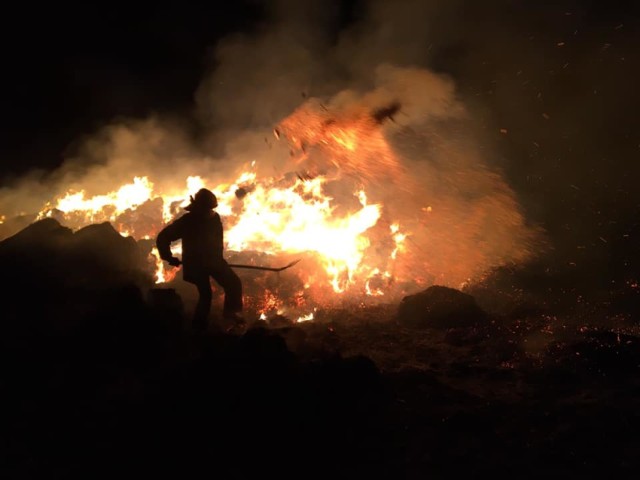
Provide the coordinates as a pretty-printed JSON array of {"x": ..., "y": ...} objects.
[
  {"x": 203, "y": 307},
  {"x": 232, "y": 286}
]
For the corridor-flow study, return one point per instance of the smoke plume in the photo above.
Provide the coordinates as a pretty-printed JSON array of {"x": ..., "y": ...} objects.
[{"x": 446, "y": 189}]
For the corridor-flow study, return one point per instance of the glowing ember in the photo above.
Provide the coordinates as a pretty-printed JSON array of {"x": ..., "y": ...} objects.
[{"x": 270, "y": 303}]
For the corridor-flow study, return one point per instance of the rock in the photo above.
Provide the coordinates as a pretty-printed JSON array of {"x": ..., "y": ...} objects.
[
  {"x": 43, "y": 234},
  {"x": 295, "y": 338},
  {"x": 280, "y": 321},
  {"x": 102, "y": 237},
  {"x": 163, "y": 299},
  {"x": 440, "y": 307},
  {"x": 34, "y": 257},
  {"x": 51, "y": 261},
  {"x": 12, "y": 225},
  {"x": 167, "y": 306}
]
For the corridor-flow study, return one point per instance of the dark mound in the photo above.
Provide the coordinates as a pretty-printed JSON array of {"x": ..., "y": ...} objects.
[
  {"x": 440, "y": 307},
  {"x": 48, "y": 266}
]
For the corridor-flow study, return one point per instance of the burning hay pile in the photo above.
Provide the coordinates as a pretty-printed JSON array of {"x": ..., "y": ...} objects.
[{"x": 371, "y": 219}]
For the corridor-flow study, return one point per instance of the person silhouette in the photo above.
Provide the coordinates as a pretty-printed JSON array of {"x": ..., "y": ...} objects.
[{"x": 202, "y": 257}]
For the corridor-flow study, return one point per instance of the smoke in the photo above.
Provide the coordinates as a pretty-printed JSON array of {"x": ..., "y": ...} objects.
[
  {"x": 425, "y": 166},
  {"x": 463, "y": 217},
  {"x": 461, "y": 213}
]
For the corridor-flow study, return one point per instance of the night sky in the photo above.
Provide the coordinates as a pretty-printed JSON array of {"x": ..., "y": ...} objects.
[
  {"x": 71, "y": 69},
  {"x": 559, "y": 78}
]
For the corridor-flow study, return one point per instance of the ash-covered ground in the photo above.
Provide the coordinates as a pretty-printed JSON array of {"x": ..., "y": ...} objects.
[{"x": 527, "y": 374}]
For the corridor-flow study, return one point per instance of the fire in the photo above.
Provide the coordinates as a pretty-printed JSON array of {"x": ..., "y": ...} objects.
[
  {"x": 374, "y": 209},
  {"x": 194, "y": 184},
  {"x": 165, "y": 274},
  {"x": 398, "y": 238},
  {"x": 296, "y": 218},
  {"x": 347, "y": 139},
  {"x": 351, "y": 141},
  {"x": 300, "y": 219},
  {"x": 270, "y": 303},
  {"x": 351, "y": 245},
  {"x": 112, "y": 204}
]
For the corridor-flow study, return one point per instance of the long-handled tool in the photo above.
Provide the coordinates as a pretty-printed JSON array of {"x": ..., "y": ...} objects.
[{"x": 269, "y": 269}]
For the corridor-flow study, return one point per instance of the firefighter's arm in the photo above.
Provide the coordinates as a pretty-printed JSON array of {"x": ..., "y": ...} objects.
[{"x": 167, "y": 235}]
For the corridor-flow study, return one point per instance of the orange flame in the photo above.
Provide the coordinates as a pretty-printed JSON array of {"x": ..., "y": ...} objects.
[
  {"x": 342, "y": 232},
  {"x": 296, "y": 219},
  {"x": 354, "y": 144}
]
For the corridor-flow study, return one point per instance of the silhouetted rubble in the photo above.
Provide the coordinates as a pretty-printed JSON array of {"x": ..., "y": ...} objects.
[
  {"x": 12, "y": 225},
  {"x": 103, "y": 375},
  {"x": 122, "y": 391},
  {"x": 96, "y": 255},
  {"x": 55, "y": 277}
]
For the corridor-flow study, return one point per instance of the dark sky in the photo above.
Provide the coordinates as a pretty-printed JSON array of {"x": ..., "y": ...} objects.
[
  {"x": 560, "y": 76},
  {"x": 71, "y": 69},
  {"x": 68, "y": 70}
]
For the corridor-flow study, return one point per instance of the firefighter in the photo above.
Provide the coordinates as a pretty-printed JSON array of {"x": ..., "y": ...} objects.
[{"x": 202, "y": 257}]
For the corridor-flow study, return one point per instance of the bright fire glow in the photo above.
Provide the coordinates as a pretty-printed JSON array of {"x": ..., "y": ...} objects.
[
  {"x": 305, "y": 318},
  {"x": 351, "y": 248},
  {"x": 299, "y": 218},
  {"x": 126, "y": 197}
]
